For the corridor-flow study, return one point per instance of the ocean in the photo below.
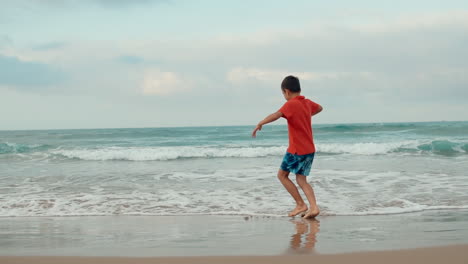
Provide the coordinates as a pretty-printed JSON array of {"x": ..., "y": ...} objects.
[{"x": 359, "y": 169}]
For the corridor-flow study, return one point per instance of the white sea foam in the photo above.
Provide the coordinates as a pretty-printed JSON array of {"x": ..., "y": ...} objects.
[
  {"x": 168, "y": 153},
  {"x": 133, "y": 153},
  {"x": 89, "y": 205},
  {"x": 171, "y": 153},
  {"x": 370, "y": 148},
  {"x": 246, "y": 191}
]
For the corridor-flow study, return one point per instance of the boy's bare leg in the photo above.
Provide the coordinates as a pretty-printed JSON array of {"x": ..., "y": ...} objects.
[
  {"x": 309, "y": 192},
  {"x": 292, "y": 189}
]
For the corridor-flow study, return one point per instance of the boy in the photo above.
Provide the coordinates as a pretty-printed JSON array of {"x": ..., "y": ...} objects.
[{"x": 298, "y": 159}]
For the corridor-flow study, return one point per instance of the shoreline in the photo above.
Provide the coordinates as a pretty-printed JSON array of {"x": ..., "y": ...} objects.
[{"x": 447, "y": 254}]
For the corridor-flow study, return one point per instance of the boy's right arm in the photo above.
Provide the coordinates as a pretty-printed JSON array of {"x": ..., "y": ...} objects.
[{"x": 270, "y": 118}]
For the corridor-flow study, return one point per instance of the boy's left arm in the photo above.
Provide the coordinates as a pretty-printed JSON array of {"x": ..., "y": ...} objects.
[{"x": 271, "y": 118}]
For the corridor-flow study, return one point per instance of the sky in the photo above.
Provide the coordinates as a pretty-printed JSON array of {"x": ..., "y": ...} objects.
[{"x": 158, "y": 63}]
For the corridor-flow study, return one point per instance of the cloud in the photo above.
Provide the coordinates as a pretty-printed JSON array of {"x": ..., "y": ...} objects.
[
  {"x": 242, "y": 74},
  {"x": 21, "y": 74},
  {"x": 421, "y": 21},
  {"x": 130, "y": 59},
  {"x": 49, "y": 46},
  {"x": 372, "y": 71},
  {"x": 157, "y": 82}
]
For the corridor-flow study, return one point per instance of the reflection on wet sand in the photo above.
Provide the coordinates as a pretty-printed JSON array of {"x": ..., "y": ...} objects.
[{"x": 303, "y": 241}]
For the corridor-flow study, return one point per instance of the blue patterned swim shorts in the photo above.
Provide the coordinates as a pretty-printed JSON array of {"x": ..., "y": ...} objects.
[{"x": 297, "y": 164}]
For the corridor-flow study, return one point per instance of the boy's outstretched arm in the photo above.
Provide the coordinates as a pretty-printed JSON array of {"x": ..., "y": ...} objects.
[{"x": 271, "y": 118}]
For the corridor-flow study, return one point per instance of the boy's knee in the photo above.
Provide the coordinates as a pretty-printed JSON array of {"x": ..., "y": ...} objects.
[
  {"x": 282, "y": 174},
  {"x": 301, "y": 179}
]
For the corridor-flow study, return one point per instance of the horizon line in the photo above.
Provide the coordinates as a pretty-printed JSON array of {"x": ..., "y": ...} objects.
[{"x": 350, "y": 123}]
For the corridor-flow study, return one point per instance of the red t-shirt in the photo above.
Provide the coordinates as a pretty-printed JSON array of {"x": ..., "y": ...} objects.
[{"x": 298, "y": 111}]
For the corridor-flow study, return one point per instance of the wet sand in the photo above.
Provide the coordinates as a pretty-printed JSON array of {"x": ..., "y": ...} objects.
[
  {"x": 422, "y": 237},
  {"x": 450, "y": 254}
]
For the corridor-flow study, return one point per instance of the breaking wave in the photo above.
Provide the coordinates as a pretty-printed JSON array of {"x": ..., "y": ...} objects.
[{"x": 436, "y": 147}]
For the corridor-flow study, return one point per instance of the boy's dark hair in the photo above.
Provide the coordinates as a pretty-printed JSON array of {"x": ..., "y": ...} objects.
[{"x": 291, "y": 83}]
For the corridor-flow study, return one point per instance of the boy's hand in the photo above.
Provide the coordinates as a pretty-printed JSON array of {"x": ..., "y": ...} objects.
[
  {"x": 257, "y": 128},
  {"x": 268, "y": 119}
]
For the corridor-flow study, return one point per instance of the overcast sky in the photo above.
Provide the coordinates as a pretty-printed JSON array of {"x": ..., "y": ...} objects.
[{"x": 143, "y": 63}]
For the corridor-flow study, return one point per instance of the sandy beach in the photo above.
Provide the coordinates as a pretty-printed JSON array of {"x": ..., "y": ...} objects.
[{"x": 450, "y": 254}]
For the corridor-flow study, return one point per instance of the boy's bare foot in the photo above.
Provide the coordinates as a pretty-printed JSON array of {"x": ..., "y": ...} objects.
[
  {"x": 312, "y": 213},
  {"x": 298, "y": 210}
]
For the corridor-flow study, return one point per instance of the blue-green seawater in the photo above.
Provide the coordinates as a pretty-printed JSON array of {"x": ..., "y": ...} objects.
[{"x": 359, "y": 169}]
